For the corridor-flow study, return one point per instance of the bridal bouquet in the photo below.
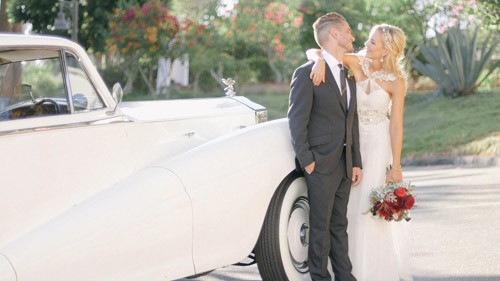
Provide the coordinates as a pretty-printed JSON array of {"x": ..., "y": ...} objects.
[{"x": 393, "y": 201}]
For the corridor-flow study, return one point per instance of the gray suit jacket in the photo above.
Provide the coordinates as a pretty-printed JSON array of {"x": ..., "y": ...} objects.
[{"x": 320, "y": 124}]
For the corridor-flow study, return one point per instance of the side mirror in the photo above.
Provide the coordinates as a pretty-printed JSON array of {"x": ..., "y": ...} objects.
[{"x": 117, "y": 93}]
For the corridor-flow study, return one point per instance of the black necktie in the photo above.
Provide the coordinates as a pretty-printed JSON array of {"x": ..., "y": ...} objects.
[{"x": 343, "y": 86}]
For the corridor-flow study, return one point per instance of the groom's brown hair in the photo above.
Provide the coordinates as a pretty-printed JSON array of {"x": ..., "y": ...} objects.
[{"x": 324, "y": 24}]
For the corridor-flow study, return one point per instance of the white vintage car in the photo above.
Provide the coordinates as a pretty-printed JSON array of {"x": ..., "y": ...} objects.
[{"x": 93, "y": 188}]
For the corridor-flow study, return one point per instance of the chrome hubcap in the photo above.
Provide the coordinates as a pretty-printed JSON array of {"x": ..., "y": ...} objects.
[{"x": 298, "y": 234}]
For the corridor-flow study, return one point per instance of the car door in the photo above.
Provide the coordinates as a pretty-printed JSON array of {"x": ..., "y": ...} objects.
[{"x": 53, "y": 153}]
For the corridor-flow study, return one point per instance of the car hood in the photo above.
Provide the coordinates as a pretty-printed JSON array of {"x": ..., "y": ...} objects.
[{"x": 184, "y": 109}]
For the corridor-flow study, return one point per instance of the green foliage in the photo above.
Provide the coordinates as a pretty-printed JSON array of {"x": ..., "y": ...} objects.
[
  {"x": 209, "y": 53},
  {"x": 40, "y": 14},
  {"x": 41, "y": 77},
  {"x": 354, "y": 11},
  {"x": 112, "y": 75},
  {"x": 93, "y": 18},
  {"x": 457, "y": 61},
  {"x": 238, "y": 42},
  {"x": 262, "y": 70},
  {"x": 94, "y": 32},
  {"x": 258, "y": 40},
  {"x": 411, "y": 16},
  {"x": 466, "y": 13},
  {"x": 272, "y": 29},
  {"x": 488, "y": 12},
  {"x": 92, "y": 24}
]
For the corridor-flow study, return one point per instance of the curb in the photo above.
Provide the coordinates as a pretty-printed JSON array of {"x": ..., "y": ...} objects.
[{"x": 470, "y": 161}]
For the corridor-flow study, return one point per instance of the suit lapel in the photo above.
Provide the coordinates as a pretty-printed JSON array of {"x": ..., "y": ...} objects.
[{"x": 333, "y": 84}]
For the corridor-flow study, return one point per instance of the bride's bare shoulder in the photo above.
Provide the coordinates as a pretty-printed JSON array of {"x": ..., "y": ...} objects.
[{"x": 398, "y": 86}]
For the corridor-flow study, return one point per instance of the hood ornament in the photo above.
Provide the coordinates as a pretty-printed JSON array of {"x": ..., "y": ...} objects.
[{"x": 229, "y": 82}]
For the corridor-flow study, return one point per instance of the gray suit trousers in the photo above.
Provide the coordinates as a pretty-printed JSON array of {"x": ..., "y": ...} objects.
[{"x": 328, "y": 197}]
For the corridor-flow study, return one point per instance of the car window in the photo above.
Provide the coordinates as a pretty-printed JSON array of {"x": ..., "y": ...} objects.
[
  {"x": 31, "y": 84},
  {"x": 85, "y": 97}
]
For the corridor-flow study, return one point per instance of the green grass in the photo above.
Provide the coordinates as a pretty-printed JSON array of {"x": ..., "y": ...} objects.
[
  {"x": 276, "y": 103},
  {"x": 434, "y": 126},
  {"x": 443, "y": 126}
]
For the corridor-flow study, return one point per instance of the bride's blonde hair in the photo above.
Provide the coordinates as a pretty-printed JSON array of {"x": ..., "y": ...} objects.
[{"x": 394, "y": 41}]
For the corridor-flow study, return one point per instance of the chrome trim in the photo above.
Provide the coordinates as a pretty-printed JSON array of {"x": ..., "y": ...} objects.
[
  {"x": 260, "y": 111},
  {"x": 89, "y": 77},
  {"x": 67, "y": 83},
  {"x": 260, "y": 116},
  {"x": 119, "y": 119}
]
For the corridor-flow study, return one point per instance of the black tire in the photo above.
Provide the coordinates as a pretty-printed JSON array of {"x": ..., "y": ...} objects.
[{"x": 281, "y": 252}]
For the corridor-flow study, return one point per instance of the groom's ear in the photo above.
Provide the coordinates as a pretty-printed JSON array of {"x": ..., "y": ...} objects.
[{"x": 334, "y": 33}]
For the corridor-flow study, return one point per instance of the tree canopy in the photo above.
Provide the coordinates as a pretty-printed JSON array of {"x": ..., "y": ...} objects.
[{"x": 255, "y": 40}]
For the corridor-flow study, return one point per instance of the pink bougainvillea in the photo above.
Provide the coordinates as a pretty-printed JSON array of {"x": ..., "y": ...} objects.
[{"x": 144, "y": 30}]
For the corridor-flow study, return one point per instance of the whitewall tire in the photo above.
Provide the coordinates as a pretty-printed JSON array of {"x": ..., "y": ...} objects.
[{"x": 281, "y": 252}]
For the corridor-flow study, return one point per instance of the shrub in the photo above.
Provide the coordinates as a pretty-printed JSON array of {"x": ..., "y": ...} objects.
[{"x": 457, "y": 61}]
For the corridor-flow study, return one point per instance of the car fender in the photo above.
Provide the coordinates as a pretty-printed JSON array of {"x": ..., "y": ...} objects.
[
  {"x": 7, "y": 272},
  {"x": 230, "y": 181},
  {"x": 138, "y": 229}
]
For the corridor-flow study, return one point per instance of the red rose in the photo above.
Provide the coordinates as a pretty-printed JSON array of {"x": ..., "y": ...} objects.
[
  {"x": 409, "y": 202},
  {"x": 400, "y": 192},
  {"x": 385, "y": 211}
]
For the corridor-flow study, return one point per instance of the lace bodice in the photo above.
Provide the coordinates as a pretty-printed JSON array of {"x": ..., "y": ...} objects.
[
  {"x": 380, "y": 74},
  {"x": 373, "y": 100}
]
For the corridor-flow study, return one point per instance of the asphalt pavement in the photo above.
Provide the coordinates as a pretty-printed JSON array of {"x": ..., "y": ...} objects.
[{"x": 455, "y": 226}]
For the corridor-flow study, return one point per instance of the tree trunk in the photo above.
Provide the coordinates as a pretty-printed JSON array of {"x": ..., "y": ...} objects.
[
  {"x": 18, "y": 28},
  {"x": 278, "y": 77},
  {"x": 98, "y": 60},
  {"x": 196, "y": 82},
  {"x": 152, "y": 90},
  {"x": 218, "y": 75},
  {"x": 131, "y": 74},
  {"x": 4, "y": 22}
]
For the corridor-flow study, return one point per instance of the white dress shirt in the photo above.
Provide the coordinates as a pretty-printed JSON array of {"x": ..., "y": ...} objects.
[{"x": 333, "y": 63}]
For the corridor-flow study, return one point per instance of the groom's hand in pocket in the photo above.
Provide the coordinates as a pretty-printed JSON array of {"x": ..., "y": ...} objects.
[
  {"x": 356, "y": 175},
  {"x": 310, "y": 168}
]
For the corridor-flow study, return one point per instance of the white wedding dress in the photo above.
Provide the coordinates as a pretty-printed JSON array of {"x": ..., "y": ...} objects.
[{"x": 379, "y": 250}]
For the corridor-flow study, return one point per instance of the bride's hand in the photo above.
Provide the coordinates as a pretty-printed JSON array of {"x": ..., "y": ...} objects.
[
  {"x": 394, "y": 175},
  {"x": 318, "y": 72}
]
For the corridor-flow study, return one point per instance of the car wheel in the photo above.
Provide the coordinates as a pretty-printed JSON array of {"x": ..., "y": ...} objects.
[{"x": 281, "y": 252}]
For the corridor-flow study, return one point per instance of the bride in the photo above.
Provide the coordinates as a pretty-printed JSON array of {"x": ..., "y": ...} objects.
[{"x": 378, "y": 249}]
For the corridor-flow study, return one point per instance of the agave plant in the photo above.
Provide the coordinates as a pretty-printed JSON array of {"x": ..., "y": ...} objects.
[{"x": 457, "y": 62}]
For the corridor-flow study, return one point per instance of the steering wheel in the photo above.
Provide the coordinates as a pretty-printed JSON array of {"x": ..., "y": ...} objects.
[{"x": 57, "y": 109}]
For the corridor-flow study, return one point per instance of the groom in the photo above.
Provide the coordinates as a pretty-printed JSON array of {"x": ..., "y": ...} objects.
[{"x": 323, "y": 123}]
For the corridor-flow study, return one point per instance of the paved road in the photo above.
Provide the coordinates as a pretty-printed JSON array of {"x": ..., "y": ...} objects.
[{"x": 456, "y": 227}]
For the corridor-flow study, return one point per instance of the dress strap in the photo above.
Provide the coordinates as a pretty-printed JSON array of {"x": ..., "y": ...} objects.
[
  {"x": 380, "y": 74},
  {"x": 365, "y": 65}
]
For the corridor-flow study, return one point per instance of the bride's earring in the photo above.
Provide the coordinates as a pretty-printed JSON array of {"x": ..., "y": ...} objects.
[{"x": 382, "y": 59}]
